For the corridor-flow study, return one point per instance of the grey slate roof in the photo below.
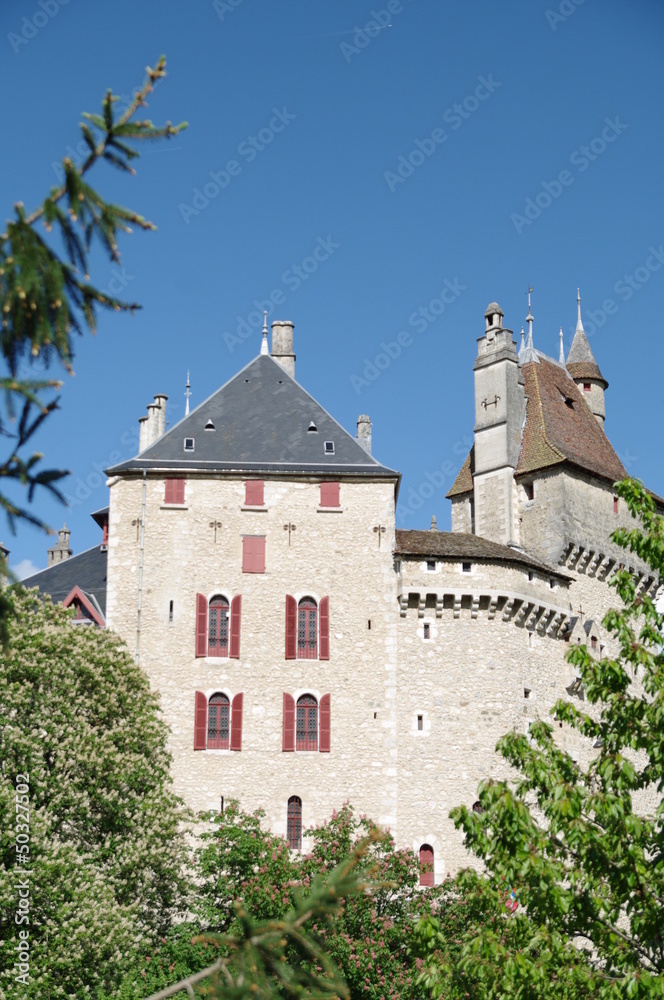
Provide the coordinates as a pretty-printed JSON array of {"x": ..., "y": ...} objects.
[
  {"x": 261, "y": 419},
  {"x": 581, "y": 360},
  {"x": 86, "y": 570}
]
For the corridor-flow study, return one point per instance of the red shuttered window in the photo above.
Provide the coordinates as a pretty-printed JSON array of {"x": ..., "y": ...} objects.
[
  {"x": 254, "y": 493},
  {"x": 200, "y": 721},
  {"x": 325, "y": 724},
  {"x": 253, "y": 553},
  {"x": 329, "y": 494},
  {"x": 324, "y": 650},
  {"x": 174, "y": 492},
  {"x": 288, "y": 725},
  {"x": 201, "y": 625},
  {"x": 236, "y": 612},
  {"x": 236, "y": 722},
  {"x": 291, "y": 628},
  {"x": 218, "y": 627},
  {"x": 307, "y": 629},
  {"x": 294, "y": 823},
  {"x": 426, "y": 864},
  {"x": 219, "y": 722},
  {"x": 306, "y": 723}
]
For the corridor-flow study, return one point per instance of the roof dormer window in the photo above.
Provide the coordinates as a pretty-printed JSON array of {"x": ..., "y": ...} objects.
[
  {"x": 329, "y": 447},
  {"x": 188, "y": 444}
]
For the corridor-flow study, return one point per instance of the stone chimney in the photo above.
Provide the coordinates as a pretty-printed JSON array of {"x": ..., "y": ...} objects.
[
  {"x": 364, "y": 432},
  {"x": 282, "y": 345},
  {"x": 151, "y": 428},
  {"x": 60, "y": 550}
]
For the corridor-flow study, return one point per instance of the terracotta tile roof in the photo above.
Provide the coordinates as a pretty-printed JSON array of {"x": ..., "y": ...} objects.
[
  {"x": 464, "y": 481},
  {"x": 560, "y": 426},
  {"x": 458, "y": 545},
  {"x": 586, "y": 369}
]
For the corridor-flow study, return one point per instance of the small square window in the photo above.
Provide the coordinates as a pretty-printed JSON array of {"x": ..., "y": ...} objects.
[
  {"x": 552, "y": 583},
  {"x": 466, "y": 567},
  {"x": 586, "y": 386},
  {"x": 529, "y": 490},
  {"x": 329, "y": 447},
  {"x": 188, "y": 444},
  {"x": 431, "y": 565},
  {"x": 526, "y": 692},
  {"x": 427, "y": 630}
]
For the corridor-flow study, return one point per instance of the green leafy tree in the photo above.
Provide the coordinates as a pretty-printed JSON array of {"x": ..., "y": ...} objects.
[
  {"x": 82, "y": 737},
  {"x": 45, "y": 293},
  {"x": 582, "y": 847}
]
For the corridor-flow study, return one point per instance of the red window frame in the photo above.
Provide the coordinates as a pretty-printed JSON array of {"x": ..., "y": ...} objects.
[
  {"x": 174, "y": 491},
  {"x": 218, "y": 722},
  {"x": 329, "y": 494},
  {"x": 254, "y": 493},
  {"x": 253, "y": 553},
  {"x": 294, "y": 823},
  {"x": 307, "y": 629},
  {"x": 426, "y": 865},
  {"x": 586, "y": 386},
  {"x": 306, "y": 723},
  {"x": 615, "y": 505},
  {"x": 218, "y": 626}
]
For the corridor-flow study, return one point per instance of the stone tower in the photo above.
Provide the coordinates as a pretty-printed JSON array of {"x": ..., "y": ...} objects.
[
  {"x": 499, "y": 414},
  {"x": 584, "y": 370}
]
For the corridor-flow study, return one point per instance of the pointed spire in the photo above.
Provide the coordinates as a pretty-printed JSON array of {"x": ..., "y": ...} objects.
[
  {"x": 561, "y": 353},
  {"x": 529, "y": 319},
  {"x": 523, "y": 341},
  {"x": 579, "y": 321},
  {"x": 264, "y": 349},
  {"x": 187, "y": 394},
  {"x": 580, "y": 359}
]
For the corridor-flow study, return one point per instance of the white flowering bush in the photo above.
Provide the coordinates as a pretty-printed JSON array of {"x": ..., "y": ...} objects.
[{"x": 103, "y": 877}]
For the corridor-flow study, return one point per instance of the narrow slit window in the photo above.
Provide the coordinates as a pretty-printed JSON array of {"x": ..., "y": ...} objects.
[
  {"x": 420, "y": 722},
  {"x": 427, "y": 630}
]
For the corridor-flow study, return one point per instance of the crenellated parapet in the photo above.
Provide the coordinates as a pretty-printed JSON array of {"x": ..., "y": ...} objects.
[{"x": 525, "y": 611}]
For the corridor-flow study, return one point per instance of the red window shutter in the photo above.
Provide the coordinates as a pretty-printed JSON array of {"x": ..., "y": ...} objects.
[
  {"x": 324, "y": 640},
  {"x": 324, "y": 724},
  {"x": 329, "y": 494},
  {"x": 254, "y": 493},
  {"x": 426, "y": 861},
  {"x": 291, "y": 627},
  {"x": 200, "y": 721},
  {"x": 236, "y": 722},
  {"x": 253, "y": 553},
  {"x": 288, "y": 727},
  {"x": 201, "y": 625},
  {"x": 236, "y": 613},
  {"x": 174, "y": 492}
]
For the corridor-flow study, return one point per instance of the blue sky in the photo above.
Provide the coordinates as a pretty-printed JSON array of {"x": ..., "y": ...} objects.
[{"x": 436, "y": 156}]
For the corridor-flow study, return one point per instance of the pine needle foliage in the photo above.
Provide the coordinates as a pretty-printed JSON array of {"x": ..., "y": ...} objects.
[{"x": 46, "y": 295}]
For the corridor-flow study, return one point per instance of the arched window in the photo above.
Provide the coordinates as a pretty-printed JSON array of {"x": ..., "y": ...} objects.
[
  {"x": 426, "y": 864},
  {"x": 307, "y": 629},
  {"x": 294, "y": 823},
  {"x": 218, "y": 626},
  {"x": 306, "y": 723},
  {"x": 218, "y": 729}
]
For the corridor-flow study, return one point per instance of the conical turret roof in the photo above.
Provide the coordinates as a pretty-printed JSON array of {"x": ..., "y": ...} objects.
[{"x": 581, "y": 360}]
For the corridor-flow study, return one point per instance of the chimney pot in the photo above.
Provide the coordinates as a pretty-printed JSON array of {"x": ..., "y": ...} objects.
[{"x": 282, "y": 345}]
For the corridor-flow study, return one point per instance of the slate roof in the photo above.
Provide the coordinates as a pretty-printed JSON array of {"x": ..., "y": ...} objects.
[
  {"x": 86, "y": 570},
  {"x": 555, "y": 431},
  {"x": 261, "y": 421},
  {"x": 459, "y": 545}
]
